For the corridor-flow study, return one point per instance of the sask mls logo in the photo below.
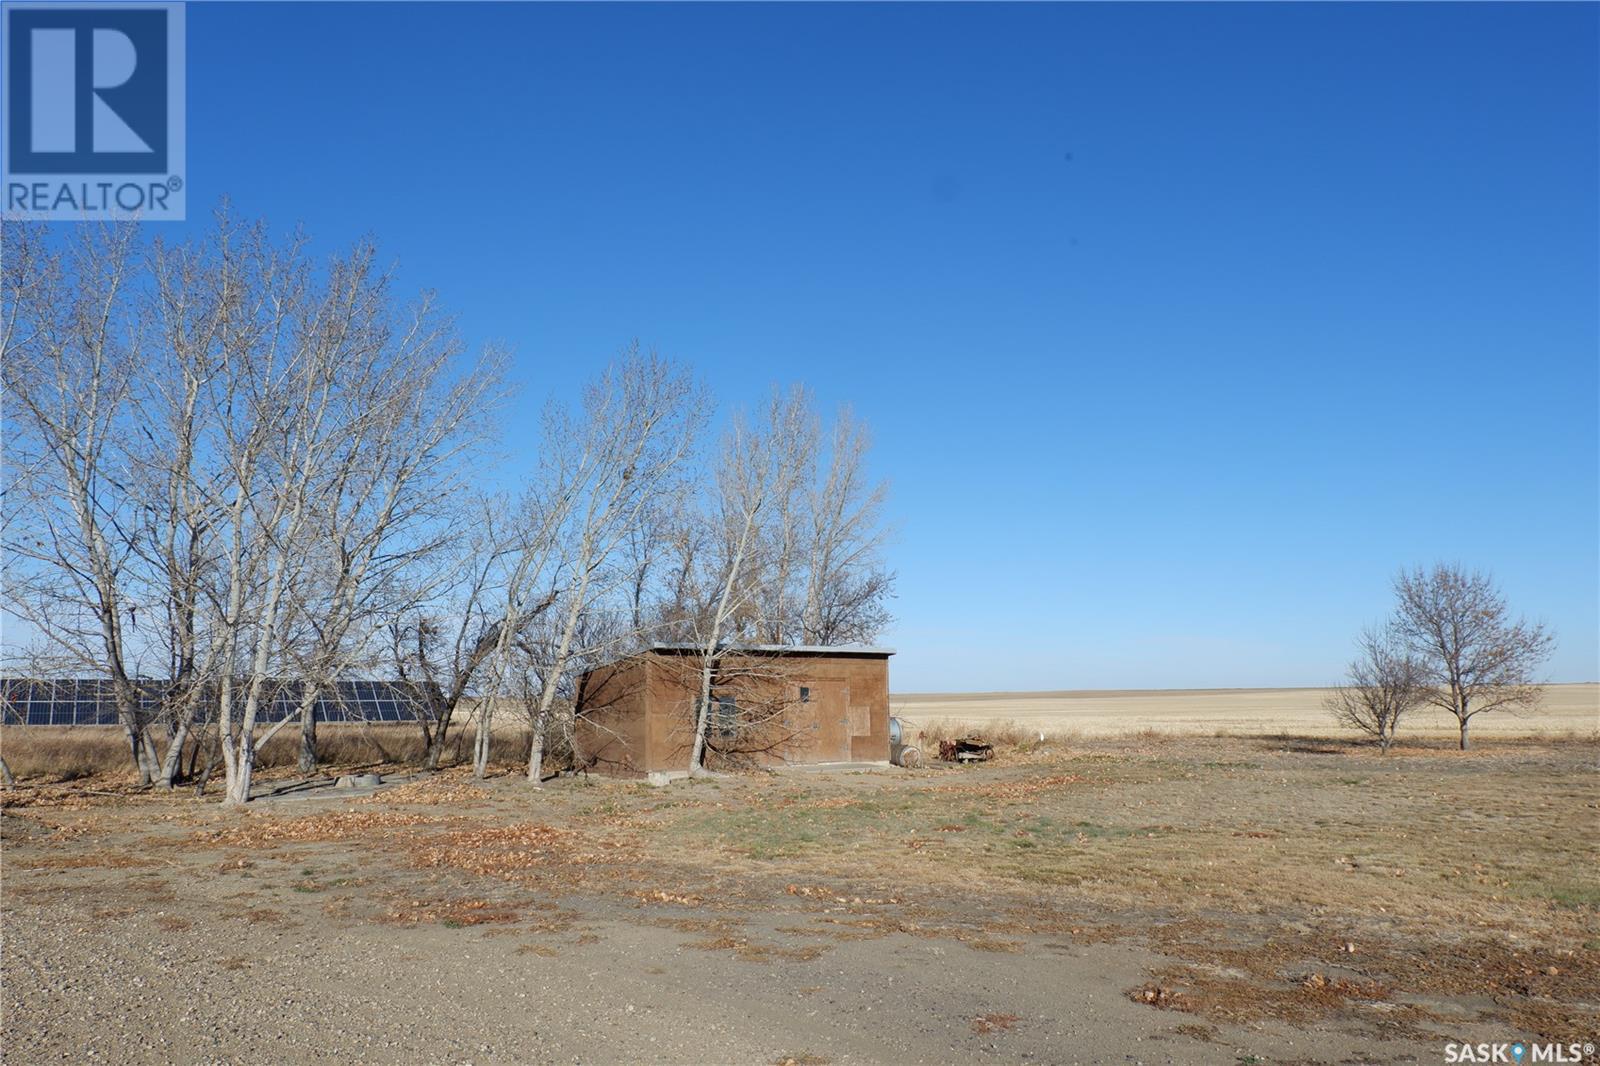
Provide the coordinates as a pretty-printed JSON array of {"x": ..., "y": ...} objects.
[
  {"x": 94, "y": 107},
  {"x": 1519, "y": 1053}
]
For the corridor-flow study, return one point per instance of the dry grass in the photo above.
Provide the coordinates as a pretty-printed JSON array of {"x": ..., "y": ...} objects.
[
  {"x": 1016, "y": 741},
  {"x": 1428, "y": 839},
  {"x": 63, "y": 754},
  {"x": 1287, "y": 877},
  {"x": 1238, "y": 712},
  {"x": 1018, "y": 724},
  {"x": 43, "y": 754},
  {"x": 1004, "y": 734}
]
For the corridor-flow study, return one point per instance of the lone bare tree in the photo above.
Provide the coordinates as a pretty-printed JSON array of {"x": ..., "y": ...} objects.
[
  {"x": 1476, "y": 657},
  {"x": 1384, "y": 681}
]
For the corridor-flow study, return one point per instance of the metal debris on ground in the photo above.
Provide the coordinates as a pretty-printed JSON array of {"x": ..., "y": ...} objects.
[{"x": 966, "y": 749}]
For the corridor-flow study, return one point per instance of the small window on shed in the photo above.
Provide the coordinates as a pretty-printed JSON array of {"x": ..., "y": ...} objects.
[
  {"x": 805, "y": 694},
  {"x": 727, "y": 716}
]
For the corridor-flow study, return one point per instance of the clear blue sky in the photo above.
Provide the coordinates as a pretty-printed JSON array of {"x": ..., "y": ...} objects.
[{"x": 1180, "y": 328}]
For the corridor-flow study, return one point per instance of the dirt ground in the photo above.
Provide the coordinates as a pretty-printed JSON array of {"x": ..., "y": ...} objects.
[
  {"x": 1563, "y": 709},
  {"x": 1208, "y": 900}
]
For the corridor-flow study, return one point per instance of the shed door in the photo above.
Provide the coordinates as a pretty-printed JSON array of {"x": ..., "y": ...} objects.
[{"x": 833, "y": 721}]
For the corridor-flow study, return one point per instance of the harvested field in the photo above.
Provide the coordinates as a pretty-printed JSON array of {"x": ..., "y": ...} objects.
[
  {"x": 1155, "y": 898},
  {"x": 1246, "y": 711}
]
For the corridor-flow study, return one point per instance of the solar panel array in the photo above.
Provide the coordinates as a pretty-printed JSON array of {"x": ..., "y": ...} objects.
[
  {"x": 90, "y": 701},
  {"x": 66, "y": 702}
]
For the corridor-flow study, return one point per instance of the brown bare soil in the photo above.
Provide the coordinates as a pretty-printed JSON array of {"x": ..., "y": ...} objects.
[{"x": 1155, "y": 898}]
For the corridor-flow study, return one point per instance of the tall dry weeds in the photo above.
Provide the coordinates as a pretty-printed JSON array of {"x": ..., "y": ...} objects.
[{"x": 70, "y": 753}]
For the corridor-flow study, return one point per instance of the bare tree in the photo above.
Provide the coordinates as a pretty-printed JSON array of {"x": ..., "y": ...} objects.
[
  {"x": 1476, "y": 657},
  {"x": 336, "y": 417},
  {"x": 390, "y": 499},
  {"x": 235, "y": 480},
  {"x": 817, "y": 576},
  {"x": 282, "y": 433},
  {"x": 443, "y": 666},
  {"x": 779, "y": 575},
  {"x": 528, "y": 589},
  {"x": 196, "y": 294},
  {"x": 1383, "y": 682},
  {"x": 443, "y": 639},
  {"x": 678, "y": 608},
  {"x": 753, "y": 695},
  {"x": 758, "y": 466},
  {"x": 612, "y": 464},
  {"x": 69, "y": 347},
  {"x": 647, "y": 549},
  {"x": 846, "y": 582}
]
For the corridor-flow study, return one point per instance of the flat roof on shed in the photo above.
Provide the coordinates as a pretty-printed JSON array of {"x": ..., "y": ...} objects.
[{"x": 859, "y": 650}]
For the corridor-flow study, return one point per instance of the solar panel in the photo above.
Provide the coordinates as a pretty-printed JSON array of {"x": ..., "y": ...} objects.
[
  {"x": 68, "y": 701},
  {"x": 90, "y": 701},
  {"x": 350, "y": 701}
]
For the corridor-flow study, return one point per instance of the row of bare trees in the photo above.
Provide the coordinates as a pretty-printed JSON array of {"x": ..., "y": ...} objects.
[
  {"x": 1452, "y": 644},
  {"x": 230, "y": 464}
]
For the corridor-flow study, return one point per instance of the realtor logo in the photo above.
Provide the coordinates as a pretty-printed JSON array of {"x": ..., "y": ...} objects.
[{"x": 94, "y": 109}]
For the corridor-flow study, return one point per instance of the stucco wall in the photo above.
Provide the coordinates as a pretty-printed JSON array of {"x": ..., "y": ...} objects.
[
  {"x": 612, "y": 728},
  {"x": 638, "y": 716}
]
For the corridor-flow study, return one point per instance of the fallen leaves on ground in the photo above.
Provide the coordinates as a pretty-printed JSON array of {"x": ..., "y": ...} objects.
[
  {"x": 105, "y": 859},
  {"x": 520, "y": 848},
  {"x": 268, "y": 829},
  {"x": 832, "y": 895},
  {"x": 659, "y": 896},
  {"x": 754, "y": 951},
  {"x": 1301, "y": 1000},
  {"x": 1157, "y": 996},
  {"x": 1021, "y": 788},
  {"x": 454, "y": 912},
  {"x": 430, "y": 792},
  {"x": 994, "y": 1022}
]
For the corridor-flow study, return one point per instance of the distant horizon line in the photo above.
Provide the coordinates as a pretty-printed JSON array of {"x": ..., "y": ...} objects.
[{"x": 927, "y": 694}]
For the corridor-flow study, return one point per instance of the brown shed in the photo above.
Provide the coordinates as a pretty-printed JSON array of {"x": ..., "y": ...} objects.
[{"x": 772, "y": 704}]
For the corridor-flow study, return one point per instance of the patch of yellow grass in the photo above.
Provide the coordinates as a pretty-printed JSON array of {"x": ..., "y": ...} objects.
[
  {"x": 1564, "y": 709},
  {"x": 70, "y": 753}
]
